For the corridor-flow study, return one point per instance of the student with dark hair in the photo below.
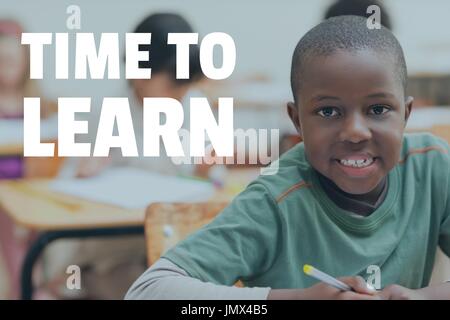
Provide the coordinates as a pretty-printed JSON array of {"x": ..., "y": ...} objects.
[
  {"x": 109, "y": 266},
  {"x": 163, "y": 83},
  {"x": 15, "y": 84},
  {"x": 356, "y": 192},
  {"x": 162, "y": 55}
]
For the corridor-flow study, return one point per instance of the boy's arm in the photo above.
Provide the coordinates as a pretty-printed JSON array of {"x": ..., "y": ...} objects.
[
  {"x": 164, "y": 280},
  {"x": 435, "y": 292}
]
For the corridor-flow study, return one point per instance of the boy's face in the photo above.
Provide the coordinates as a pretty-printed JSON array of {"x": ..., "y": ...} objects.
[
  {"x": 161, "y": 84},
  {"x": 351, "y": 114}
]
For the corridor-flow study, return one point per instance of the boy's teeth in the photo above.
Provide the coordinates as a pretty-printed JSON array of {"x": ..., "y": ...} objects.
[{"x": 356, "y": 163}]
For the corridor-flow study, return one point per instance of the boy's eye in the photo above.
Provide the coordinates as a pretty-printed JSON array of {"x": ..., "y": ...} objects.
[
  {"x": 328, "y": 112},
  {"x": 379, "y": 109}
]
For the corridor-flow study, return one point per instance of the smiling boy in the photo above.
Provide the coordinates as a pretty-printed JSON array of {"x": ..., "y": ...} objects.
[
  {"x": 350, "y": 106},
  {"x": 355, "y": 193}
]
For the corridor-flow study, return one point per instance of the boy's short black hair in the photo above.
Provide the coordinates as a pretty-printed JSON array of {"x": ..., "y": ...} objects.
[
  {"x": 348, "y": 33},
  {"x": 162, "y": 56}
]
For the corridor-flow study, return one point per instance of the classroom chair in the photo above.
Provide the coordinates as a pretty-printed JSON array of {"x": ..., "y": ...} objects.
[{"x": 168, "y": 223}]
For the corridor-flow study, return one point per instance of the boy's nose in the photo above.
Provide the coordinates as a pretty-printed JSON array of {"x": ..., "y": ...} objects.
[{"x": 355, "y": 129}]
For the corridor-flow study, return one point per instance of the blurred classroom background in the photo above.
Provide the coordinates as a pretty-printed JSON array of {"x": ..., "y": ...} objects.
[{"x": 265, "y": 34}]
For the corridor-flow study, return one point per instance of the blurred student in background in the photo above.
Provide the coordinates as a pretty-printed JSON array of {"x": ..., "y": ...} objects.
[
  {"x": 15, "y": 84},
  {"x": 110, "y": 266},
  {"x": 163, "y": 83}
]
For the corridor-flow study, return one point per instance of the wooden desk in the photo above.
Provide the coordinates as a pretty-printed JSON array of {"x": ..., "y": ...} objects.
[
  {"x": 10, "y": 149},
  {"x": 442, "y": 131},
  {"x": 31, "y": 204},
  {"x": 58, "y": 211}
]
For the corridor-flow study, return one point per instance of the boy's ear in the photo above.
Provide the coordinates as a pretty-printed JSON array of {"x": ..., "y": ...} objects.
[
  {"x": 408, "y": 107},
  {"x": 294, "y": 114}
]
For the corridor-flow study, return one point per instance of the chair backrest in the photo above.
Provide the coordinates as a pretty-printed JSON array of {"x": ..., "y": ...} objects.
[{"x": 168, "y": 223}]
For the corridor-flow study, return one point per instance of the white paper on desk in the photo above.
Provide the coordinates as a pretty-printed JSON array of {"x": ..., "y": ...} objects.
[
  {"x": 427, "y": 117},
  {"x": 11, "y": 130},
  {"x": 134, "y": 188}
]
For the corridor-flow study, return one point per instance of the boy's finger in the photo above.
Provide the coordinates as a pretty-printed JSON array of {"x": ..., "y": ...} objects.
[
  {"x": 348, "y": 295},
  {"x": 359, "y": 285}
]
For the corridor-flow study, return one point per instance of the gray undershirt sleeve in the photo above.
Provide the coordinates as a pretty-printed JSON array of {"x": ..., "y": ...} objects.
[{"x": 165, "y": 280}]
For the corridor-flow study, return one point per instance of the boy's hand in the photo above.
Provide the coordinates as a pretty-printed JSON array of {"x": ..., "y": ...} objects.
[
  {"x": 325, "y": 291},
  {"x": 396, "y": 292},
  {"x": 89, "y": 167}
]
